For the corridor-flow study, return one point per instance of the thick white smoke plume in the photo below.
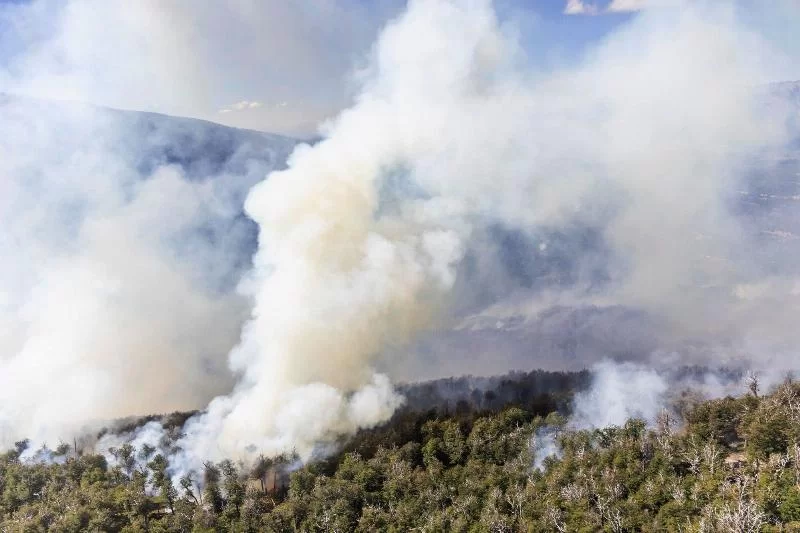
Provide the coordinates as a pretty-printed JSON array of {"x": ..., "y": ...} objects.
[
  {"x": 383, "y": 231},
  {"x": 360, "y": 238}
]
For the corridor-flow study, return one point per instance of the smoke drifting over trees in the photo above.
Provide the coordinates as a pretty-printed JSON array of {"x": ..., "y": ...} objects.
[{"x": 647, "y": 182}]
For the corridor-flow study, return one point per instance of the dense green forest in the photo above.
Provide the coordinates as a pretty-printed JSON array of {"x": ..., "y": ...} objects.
[{"x": 730, "y": 464}]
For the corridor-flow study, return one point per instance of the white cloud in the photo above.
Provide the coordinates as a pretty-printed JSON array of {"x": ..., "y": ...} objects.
[
  {"x": 579, "y": 7},
  {"x": 243, "y": 105},
  {"x": 622, "y": 6},
  {"x": 585, "y": 7}
]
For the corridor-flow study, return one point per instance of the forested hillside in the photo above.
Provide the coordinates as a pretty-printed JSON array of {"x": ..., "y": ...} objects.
[{"x": 730, "y": 464}]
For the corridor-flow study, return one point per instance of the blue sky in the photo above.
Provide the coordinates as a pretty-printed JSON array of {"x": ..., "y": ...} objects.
[{"x": 551, "y": 35}]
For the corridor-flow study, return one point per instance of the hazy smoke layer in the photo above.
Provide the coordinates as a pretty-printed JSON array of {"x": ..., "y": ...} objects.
[
  {"x": 262, "y": 64},
  {"x": 622, "y": 175},
  {"x": 120, "y": 259}
]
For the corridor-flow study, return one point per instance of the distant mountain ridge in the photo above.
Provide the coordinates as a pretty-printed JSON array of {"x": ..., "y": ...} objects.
[
  {"x": 200, "y": 147},
  {"x": 789, "y": 90}
]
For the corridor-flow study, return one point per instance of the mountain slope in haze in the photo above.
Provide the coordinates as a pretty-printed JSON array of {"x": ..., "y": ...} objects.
[
  {"x": 200, "y": 147},
  {"x": 123, "y": 241},
  {"x": 533, "y": 315},
  {"x": 81, "y": 159},
  {"x": 492, "y": 330}
]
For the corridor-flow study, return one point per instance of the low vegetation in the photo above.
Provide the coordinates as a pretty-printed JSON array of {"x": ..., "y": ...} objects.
[{"x": 730, "y": 464}]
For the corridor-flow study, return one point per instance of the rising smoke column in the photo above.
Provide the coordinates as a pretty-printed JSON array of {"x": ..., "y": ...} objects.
[
  {"x": 339, "y": 276},
  {"x": 361, "y": 237}
]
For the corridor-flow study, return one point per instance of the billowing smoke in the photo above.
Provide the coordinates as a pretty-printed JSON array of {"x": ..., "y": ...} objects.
[
  {"x": 622, "y": 391},
  {"x": 361, "y": 238},
  {"x": 465, "y": 186},
  {"x": 619, "y": 392}
]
